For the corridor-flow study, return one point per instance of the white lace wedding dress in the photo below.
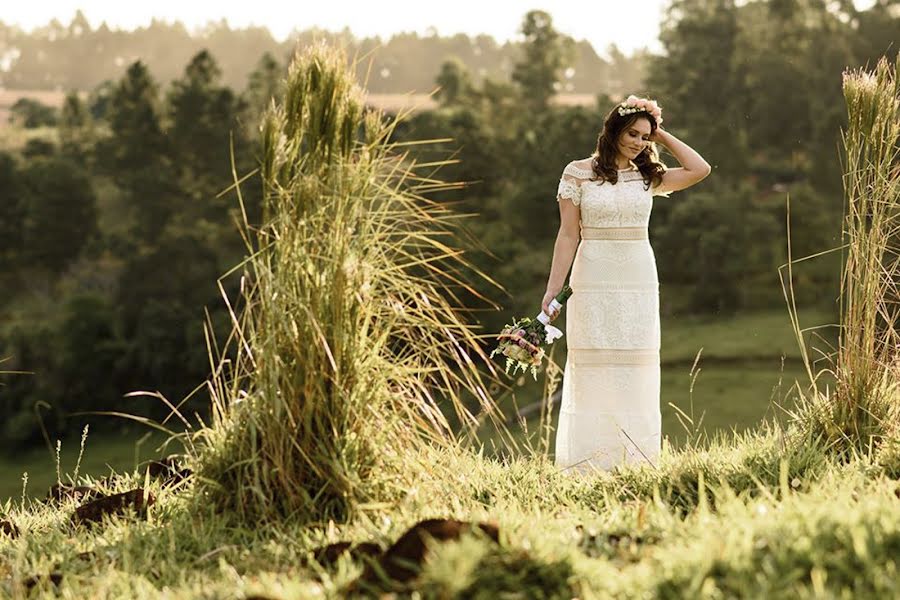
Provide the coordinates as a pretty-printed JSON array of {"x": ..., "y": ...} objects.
[{"x": 610, "y": 413}]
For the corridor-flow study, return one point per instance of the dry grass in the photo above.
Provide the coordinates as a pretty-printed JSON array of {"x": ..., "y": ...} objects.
[
  {"x": 349, "y": 337},
  {"x": 864, "y": 408}
]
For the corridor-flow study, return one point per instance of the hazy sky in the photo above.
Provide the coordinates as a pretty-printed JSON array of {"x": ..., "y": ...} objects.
[{"x": 600, "y": 22}]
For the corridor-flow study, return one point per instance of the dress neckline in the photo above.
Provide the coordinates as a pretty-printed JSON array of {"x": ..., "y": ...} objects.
[{"x": 632, "y": 167}]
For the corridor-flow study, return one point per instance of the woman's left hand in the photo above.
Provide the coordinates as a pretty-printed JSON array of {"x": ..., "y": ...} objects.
[{"x": 657, "y": 135}]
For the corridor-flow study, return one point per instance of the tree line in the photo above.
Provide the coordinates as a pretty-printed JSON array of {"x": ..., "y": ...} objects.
[
  {"x": 115, "y": 231},
  {"x": 77, "y": 56}
]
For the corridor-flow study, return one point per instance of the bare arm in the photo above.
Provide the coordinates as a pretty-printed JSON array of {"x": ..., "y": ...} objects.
[
  {"x": 564, "y": 249},
  {"x": 694, "y": 168}
]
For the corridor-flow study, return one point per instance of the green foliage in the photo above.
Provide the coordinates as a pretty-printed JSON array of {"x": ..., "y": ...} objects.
[
  {"x": 102, "y": 224},
  {"x": 139, "y": 153},
  {"x": 60, "y": 212},
  {"x": 87, "y": 321},
  {"x": 454, "y": 81},
  {"x": 76, "y": 129},
  {"x": 772, "y": 70},
  {"x": 38, "y": 147},
  {"x": 804, "y": 511},
  {"x": 700, "y": 39},
  {"x": 202, "y": 115},
  {"x": 12, "y": 215},
  {"x": 876, "y": 31},
  {"x": 263, "y": 85},
  {"x": 505, "y": 161},
  {"x": 31, "y": 113},
  {"x": 99, "y": 98},
  {"x": 815, "y": 222},
  {"x": 74, "y": 115},
  {"x": 25, "y": 394},
  {"x": 545, "y": 52},
  {"x": 158, "y": 296},
  {"x": 54, "y": 57},
  {"x": 714, "y": 243},
  {"x": 863, "y": 410},
  {"x": 134, "y": 120}
]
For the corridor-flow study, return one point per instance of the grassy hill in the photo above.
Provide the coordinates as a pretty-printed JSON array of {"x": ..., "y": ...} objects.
[
  {"x": 753, "y": 518},
  {"x": 739, "y": 380}
]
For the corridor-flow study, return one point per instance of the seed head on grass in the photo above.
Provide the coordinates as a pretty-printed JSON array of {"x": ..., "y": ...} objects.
[{"x": 864, "y": 409}]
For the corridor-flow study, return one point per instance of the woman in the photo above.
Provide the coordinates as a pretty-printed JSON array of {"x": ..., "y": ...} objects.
[{"x": 610, "y": 412}]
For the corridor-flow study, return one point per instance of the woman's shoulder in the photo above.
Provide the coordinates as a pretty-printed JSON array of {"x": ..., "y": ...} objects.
[{"x": 580, "y": 168}]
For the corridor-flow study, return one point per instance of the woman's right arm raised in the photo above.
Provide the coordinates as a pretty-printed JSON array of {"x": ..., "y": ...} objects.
[{"x": 569, "y": 198}]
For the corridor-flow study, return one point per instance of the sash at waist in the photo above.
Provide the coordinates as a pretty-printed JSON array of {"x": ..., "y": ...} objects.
[{"x": 614, "y": 233}]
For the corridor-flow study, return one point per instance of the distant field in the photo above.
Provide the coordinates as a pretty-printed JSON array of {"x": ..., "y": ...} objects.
[
  {"x": 388, "y": 102},
  {"x": 102, "y": 454},
  {"x": 9, "y": 97},
  {"x": 739, "y": 378}
]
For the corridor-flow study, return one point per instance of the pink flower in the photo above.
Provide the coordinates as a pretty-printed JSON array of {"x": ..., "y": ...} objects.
[{"x": 644, "y": 104}]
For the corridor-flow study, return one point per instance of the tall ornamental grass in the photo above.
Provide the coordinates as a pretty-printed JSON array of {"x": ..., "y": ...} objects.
[
  {"x": 350, "y": 338},
  {"x": 864, "y": 408}
]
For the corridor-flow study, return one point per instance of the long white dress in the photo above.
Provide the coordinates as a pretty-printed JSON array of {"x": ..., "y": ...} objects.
[{"x": 610, "y": 408}]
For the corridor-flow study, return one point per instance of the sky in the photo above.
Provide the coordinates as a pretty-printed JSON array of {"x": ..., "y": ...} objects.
[{"x": 600, "y": 22}]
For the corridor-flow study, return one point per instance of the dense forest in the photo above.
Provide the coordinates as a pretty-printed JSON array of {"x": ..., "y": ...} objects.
[{"x": 116, "y": 220}]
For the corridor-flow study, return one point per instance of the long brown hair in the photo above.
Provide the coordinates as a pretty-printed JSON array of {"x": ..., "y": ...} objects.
[{"x": 603, "y": 161}]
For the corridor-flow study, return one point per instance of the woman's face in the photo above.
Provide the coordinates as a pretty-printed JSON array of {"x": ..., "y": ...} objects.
[{"x": 634, "y": 139}]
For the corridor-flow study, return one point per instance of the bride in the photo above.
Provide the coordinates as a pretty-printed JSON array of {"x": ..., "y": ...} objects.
[{"x": 610, "y": 413}]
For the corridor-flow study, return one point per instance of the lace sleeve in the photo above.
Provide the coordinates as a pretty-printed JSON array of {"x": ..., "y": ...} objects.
[{"x": 569, "y": 186}]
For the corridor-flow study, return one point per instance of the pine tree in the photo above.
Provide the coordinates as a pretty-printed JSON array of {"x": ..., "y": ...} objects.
[
  {"x": 202, "y": 117},
  {"x": 263, "y": 84},
  {"x": 60, "y": 212},
  {"x": 545, "y": 53},
  {"x": 75, "y": 129},
  {"x": 138, "y": 152},
  {"x": 454, "y": 80},
  {"x": 11, "y": 215},
  {"x": 138, "y": 137}
]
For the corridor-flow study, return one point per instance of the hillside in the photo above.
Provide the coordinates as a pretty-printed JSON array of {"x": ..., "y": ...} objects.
[{"x": 748, "y": 518}]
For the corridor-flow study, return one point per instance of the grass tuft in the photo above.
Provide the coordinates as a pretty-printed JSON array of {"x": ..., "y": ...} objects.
[{"x": 349, "y": 339}]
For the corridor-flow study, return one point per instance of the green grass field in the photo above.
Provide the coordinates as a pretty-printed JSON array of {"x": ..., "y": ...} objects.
[
  {"x": 738, "y": 379},
  {"x": 728, "y": 393},
  {"x": 102, "y": 455},
  {"x": 763, "y": 334}
]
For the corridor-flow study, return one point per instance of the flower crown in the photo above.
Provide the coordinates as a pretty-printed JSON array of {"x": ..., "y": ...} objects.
[{"x": 633, "y": 104}]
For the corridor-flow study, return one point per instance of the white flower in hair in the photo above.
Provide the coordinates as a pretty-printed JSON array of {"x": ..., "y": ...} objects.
[{"x": 633, "y": 104}]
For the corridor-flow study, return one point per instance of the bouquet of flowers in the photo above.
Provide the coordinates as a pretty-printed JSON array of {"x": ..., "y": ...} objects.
[{"x": 520, "y": 342}]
